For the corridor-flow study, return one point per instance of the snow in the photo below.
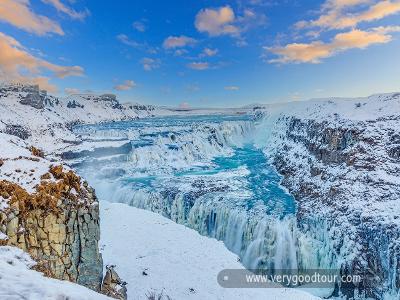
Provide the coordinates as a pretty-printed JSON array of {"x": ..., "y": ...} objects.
[
  {"x": 2, "y": 235},
  {"x": 49, "y": 126},
  {"x": 12, "y": 147},
  {"x": 19, "y": 165},
  {"x": 18, "y": 281},
  {"x": 92, "y": 145},
  {"x": 354, "y": 109},
  {"x": 175, "y": 258}
]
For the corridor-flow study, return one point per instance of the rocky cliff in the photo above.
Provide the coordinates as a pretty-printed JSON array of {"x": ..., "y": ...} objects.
[
  {"x": 340, "y": 160},
  {"x": 50, "y": 213}
]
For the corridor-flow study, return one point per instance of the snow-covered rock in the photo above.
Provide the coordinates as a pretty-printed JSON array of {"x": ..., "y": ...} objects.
[
  {"x": 46, "y": 120},
  {"x": 340, "y": 159},
  {"x": 49, "y": 212}
]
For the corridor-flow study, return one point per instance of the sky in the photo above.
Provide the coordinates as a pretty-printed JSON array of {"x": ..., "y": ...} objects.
[{"x": 194, "y": 53}]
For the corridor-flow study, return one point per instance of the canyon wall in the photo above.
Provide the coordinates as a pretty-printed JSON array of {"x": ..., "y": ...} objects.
[{"x": 343, "y": 171}]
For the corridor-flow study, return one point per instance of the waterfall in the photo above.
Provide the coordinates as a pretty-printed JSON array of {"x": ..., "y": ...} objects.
[{"x": 172, "y": 171}]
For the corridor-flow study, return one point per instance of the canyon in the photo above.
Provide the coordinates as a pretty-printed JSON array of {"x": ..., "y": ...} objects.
[{"x": 327, "y": 171}]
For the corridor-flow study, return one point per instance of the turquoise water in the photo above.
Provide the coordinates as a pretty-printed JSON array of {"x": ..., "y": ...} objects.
[
  {"x": 176, "y": 153},
  {"x": 206, "y": 173},
  {"x": 263, "y": 180}
]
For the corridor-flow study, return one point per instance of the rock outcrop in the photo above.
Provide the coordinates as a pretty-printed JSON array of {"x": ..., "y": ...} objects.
[
  {"x": 113, "y": 286},
  {"x": 33, "y": 99},
  {"x": 58, "y": 225}
]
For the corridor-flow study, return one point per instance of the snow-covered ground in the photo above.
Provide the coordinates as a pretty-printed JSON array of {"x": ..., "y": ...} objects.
[
  {"x": 19, "y": 282},
  {"x": 330, "y": 109},
  {"x": 19, "y": 165},
  {"x": 154, "y": 254}
]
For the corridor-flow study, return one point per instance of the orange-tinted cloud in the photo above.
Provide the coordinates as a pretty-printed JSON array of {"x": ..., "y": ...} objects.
[
  {"x": 208, "y": 52},
  {"x": 18, "y": 13},
  {"x": 125, "y": 86},
  {"x": 217, "y": 22},
  {"x": 315, "y": 51},
  {"x": 178, "y": 42},
  {"x": 335, "y": 15},
  {"x": 16, "y": 64}
]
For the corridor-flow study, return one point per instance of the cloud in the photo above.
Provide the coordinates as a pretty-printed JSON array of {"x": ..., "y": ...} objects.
[
  {"x": 315, "y": 51},
  {"x": 231, "y": 88},
  {"x": 16, "y": 64},
  {"x": 339, "y": 4},
  {"x": 335, "y": 14},
  {"x": 123, "y": 38},
  {"x": 150, "y": 64},
  {"x": 125, "y": 86},
  {"x": 199, "y": 66},
  {"x": 67, "y": 10},
  {"x": 172, "y": 42},
  {"x": 215, "y": 22},
  {"x": 223, "y": 21},
  {"x": 71, "y": 91},
  {"x": 139, "y": 26},
  {"x": 180, "y": 52},
  {"x": 18, "y": 13},
  {"x": 209, "y": 52}
]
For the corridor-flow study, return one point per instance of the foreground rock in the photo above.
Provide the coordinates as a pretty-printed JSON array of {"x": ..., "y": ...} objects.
[
  {"x": 50, "y": 213},
  {"x": 58, "y": 226},
  {"x": 113, "y": 286}
]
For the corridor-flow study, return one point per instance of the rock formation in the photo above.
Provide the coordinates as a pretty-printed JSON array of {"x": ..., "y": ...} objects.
[
  {"x": 33, "y": 99},
  {"x": 58, "y": 225},
  {"x": 113, "y": 286}
]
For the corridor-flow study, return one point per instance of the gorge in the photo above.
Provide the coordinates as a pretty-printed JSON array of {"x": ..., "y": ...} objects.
[
  {"x": 222, "y": 177},
  {"x": 296, "y": 186}
]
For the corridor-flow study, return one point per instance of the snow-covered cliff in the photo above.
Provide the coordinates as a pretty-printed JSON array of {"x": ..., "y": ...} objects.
[
  {"x": 46, "y": 120},
  {"x": 49, "y": 212},
  {"x": 340, "y": 158}
]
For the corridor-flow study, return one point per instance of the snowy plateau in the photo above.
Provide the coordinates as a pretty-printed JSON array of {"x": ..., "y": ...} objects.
[{"x": 184, "y": 195}]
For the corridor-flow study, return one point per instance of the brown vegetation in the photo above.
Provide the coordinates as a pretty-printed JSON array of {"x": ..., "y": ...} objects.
[{"x": 48, "y": 193}]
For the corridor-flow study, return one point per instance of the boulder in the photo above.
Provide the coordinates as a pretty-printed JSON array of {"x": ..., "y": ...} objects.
[{"x": 113, "y": 286}]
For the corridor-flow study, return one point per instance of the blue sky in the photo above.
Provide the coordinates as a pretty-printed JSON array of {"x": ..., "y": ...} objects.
[{"x": 203, "y": 53}]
